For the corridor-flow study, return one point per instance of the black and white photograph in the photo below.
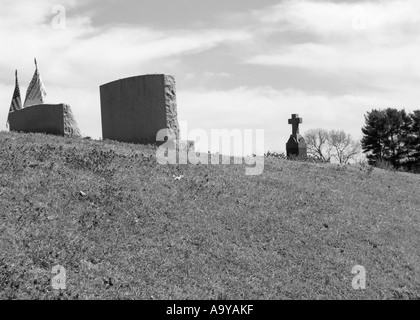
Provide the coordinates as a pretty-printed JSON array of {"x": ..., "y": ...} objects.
[{"x": 202, "y": 157}]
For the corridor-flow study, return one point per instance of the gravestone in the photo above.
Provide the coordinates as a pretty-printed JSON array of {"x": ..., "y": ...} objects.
[
  {"x": 55, "y": 119},
  {"x": 135, "y": 109},
  {"x": 296, "y": 145}
]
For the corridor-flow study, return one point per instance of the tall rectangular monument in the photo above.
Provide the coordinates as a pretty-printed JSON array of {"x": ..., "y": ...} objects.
[{"x": 135, "y": 109}]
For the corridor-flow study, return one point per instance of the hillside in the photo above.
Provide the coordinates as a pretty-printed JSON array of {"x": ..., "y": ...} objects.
[{"x": 124, "y": 227}]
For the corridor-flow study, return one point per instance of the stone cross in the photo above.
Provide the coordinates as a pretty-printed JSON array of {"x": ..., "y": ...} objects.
[{"x": 295, "y": 123}]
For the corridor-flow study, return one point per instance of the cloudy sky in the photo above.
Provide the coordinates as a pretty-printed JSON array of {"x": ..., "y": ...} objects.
[{"x": 237, "y": 63}]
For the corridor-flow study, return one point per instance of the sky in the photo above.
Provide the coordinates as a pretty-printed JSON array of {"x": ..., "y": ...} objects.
[{"x": 238, "y": 64}]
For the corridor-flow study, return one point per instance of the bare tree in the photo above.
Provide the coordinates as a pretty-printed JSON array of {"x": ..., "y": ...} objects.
[
  {"x": 334, "y": 143},
  {"x": 317, "y": 143},
  {"x": 344, "y": 148}
]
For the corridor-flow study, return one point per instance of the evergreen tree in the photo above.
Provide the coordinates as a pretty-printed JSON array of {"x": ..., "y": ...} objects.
[
  {"x": 414, "y": 138},
  {"x": 386, "y": 136},
  {"x": 373, "y": 136}
]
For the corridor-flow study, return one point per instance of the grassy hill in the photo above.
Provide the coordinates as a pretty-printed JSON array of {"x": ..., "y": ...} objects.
[{"x": 124, "y": 227}]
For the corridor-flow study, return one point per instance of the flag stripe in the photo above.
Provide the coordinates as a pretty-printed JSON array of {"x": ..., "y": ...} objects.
[{"x": 16, "y": 103}]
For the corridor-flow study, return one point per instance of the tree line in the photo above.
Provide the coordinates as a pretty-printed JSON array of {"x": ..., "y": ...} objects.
[{"x": 390, "y": 136}]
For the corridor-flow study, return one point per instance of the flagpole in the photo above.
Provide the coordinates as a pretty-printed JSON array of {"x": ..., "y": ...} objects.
[{"x": 36, "y": 64}]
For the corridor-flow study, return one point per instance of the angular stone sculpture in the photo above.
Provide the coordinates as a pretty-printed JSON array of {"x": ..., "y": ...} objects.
[
  {"x": 296, "y": 145},
  {"x": 135, "y": 109},
  {"x": 45, "y": 118}
]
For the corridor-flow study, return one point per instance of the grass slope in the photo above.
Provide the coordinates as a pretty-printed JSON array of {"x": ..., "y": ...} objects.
[{"x": 296, "y": 231}]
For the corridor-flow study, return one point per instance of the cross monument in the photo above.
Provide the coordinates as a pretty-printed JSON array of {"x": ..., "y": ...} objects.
[{"x": 296, "y": 145}]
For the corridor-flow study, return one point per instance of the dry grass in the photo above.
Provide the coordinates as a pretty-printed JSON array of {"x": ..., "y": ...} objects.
[{"x": 294, "y": 232}]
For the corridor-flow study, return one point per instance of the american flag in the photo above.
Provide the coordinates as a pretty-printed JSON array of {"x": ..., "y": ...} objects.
[
  {"x": 16, "y": 101},
  {"x": 36, "y": 90}
]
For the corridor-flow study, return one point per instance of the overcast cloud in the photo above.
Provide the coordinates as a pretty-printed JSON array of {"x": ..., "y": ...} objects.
[{"x": 238, "y": 64}]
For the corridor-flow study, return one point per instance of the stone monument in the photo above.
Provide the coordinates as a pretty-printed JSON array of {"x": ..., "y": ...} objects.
[
  {"x": 135, "y": 109},
  {"x": 296, "y": 145},
  {"x": 45, "y": 118}
]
